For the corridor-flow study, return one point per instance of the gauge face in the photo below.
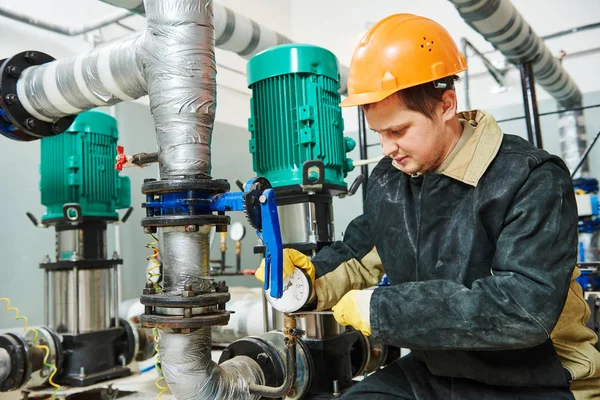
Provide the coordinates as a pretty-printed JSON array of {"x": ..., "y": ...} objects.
[
  {"x": 237, "y": 231},
  {"x": 296, "y": 291}
]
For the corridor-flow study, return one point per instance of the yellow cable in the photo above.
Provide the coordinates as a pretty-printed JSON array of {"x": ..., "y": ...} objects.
[
  {"x": 157, "y": 365},
  {"x": 36, "y": 335},
  {"x": 154, "y": 269},
  {"x": 52, "y": 367}
]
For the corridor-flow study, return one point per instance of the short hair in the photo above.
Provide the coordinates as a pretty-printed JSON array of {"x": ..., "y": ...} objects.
[{"x": 425, "y": 97}]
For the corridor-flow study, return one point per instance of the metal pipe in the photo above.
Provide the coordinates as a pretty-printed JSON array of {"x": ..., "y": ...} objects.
[
  {"x": 5, "y": 364},
  {"x": 573, "y": 139},
  {"x": 75, "y": 328},
  {"x": 102, "y": 77},
  {"x": 584, "y": 156},
  {"x": 46, "y": 297},
  {"x": 504, "y": 27},
  {"x": 290, "y": 332},
  {"x": 494, "y": 72},
  {"x": 116, "y": 300},
  {"x": 180, "y": 64},
  {"x": 68, "y": 31},
  {"x": 534, "y": 133},
  {"x": 185, "y": 259},
  {"x": 571, "y": 30},
  {"x": 237, "y": 33},
  {"x": 546, "y": 113},
  {"x": 467, "y": 92},
  {"x": 362, "y": 146}
]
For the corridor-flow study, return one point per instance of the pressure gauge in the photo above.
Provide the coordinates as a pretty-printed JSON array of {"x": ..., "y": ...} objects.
[
  {"x": 237, "y": 231},
  {"x": 296, "y": 292}
]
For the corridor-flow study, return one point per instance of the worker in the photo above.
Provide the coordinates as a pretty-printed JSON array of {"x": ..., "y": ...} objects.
[{"x": 475, "y": 229}]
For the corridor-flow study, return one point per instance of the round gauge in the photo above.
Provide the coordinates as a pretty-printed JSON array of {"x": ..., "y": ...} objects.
[
  {"x": 296, "y": 292},
  {"x": 237, "y": 231}
]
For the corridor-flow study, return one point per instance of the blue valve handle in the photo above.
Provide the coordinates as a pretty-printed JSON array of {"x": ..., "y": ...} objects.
[{"x": 271, "y": 237}]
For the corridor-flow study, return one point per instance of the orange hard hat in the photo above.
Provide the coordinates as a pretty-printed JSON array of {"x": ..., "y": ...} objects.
[{"x": 398, "y": 52}]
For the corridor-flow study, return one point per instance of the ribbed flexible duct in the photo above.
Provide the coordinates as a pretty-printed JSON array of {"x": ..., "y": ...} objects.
[
  {"x": 505, "y": 28},
  {"x": 237, "y": 33}
]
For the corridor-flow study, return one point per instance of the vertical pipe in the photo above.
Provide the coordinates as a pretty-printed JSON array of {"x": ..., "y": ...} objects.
[
  {"x": 46, "y": 297},
  {"x": 75, "y": 329},
  {"x": 362, "y": 145},
  {"x": 466, "y": 75},
  {"x": 534, "y": 133},
  {"x": 116, "y": 299}
]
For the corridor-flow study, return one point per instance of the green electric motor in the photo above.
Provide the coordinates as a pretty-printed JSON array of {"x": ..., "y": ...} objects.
[
  {"x": 295, "y": 115},
  {"x": 77, "y": 167}
]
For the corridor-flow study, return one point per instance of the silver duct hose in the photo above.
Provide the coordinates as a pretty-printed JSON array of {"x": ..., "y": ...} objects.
[
  {"x": 573, "y": 140},
  {"x": 237, "y": 33},
  {"x": 503, "y": 26},
  {"x": 179, "y": 58},
  {"x": 192, "y": 375},
  {"x": 101, "y": 77}
]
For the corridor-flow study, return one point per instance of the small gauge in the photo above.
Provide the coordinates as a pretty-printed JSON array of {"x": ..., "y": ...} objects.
[
  {"x": 296, "y": 292},
  {"x": 237, "y": 231}
]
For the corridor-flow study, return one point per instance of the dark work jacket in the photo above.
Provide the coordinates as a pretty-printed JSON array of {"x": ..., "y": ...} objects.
[{"x": 480, "y": 260}]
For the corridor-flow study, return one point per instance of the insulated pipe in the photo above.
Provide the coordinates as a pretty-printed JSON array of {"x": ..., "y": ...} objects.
[
  {"x": 237, "y": 33},
  {"x": 178, "y": 53},
  {"x": 503, "y": 26},
  {"x": 191, "y": 374},
  {"x": 101, "y": 77},
  {"x": 5, "y": 364},
  {"x": 573, "y": 141},
  {"x": 186, "y": 260}
]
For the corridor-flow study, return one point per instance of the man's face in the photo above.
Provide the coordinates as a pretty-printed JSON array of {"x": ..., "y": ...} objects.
[{"x": 415, "y": 143}]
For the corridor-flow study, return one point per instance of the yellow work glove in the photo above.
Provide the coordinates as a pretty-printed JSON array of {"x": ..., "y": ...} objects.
[
  {"x": 291, "y": 258},
  {"x": 355, "y": 309}
]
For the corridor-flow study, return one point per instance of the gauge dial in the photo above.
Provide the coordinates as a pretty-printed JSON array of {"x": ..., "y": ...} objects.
[
  {"x": 237, "y": 231},
  {"x": 296, "y": 292}
]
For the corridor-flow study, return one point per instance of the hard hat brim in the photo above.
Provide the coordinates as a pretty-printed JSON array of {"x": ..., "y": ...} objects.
[{"x": 360, "y": 99}]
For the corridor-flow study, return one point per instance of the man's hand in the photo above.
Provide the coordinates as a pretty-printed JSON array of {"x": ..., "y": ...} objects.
[
  {"x": 291, "y": 259},
  {"x": 354, "y": 309}
]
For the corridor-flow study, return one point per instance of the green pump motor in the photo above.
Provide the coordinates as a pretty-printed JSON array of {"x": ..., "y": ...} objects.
[
  {"x": 296, "y": 118},
  {"x": 77, "y": 167}
]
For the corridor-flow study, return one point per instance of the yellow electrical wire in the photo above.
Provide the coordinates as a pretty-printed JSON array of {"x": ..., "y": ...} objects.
[
  {"x": 157, "y": 365},
  {"x": 36, "y": 335},
  {"x": 154, "y": 268}
]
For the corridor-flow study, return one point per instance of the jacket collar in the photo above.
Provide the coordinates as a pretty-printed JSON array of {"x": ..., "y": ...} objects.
[{"x": 477, "y": 154}]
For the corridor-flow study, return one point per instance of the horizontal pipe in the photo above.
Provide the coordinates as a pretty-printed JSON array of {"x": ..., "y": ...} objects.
[
  {"x": 506, "y": 29},
  {"x": 68, "y": 31}
]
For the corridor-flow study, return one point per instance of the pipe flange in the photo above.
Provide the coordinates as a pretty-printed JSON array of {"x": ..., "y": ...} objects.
[
  {"x": 201, "y": 300},
  {"x": 266, "y": 356},
  {"x": 18, "y": 362},
  {"x": 180, "y": 220},
  {"x": 27, "y": 126},
  {"x": 180, "y": 322},
  {"x": 210, "y": 186}
]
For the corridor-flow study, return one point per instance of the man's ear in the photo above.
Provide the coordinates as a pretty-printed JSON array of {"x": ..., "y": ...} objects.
[{"x": 449, "y": 104}]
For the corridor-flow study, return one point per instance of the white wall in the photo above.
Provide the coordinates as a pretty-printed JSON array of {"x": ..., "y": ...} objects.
[{"x": 339, "y": 28}]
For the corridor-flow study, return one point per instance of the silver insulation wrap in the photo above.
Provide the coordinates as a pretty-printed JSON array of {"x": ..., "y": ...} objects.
[
  {"x": 192, "y": 375},
  {"x": 186, "y": 259},
  {"x": 237, "y": 33},
  {"x": 503, "y": 26},
  {"x": 573, "y": 140},
  {"x": 101, "y": 77},
  {"x": 179, "y": 59}
]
